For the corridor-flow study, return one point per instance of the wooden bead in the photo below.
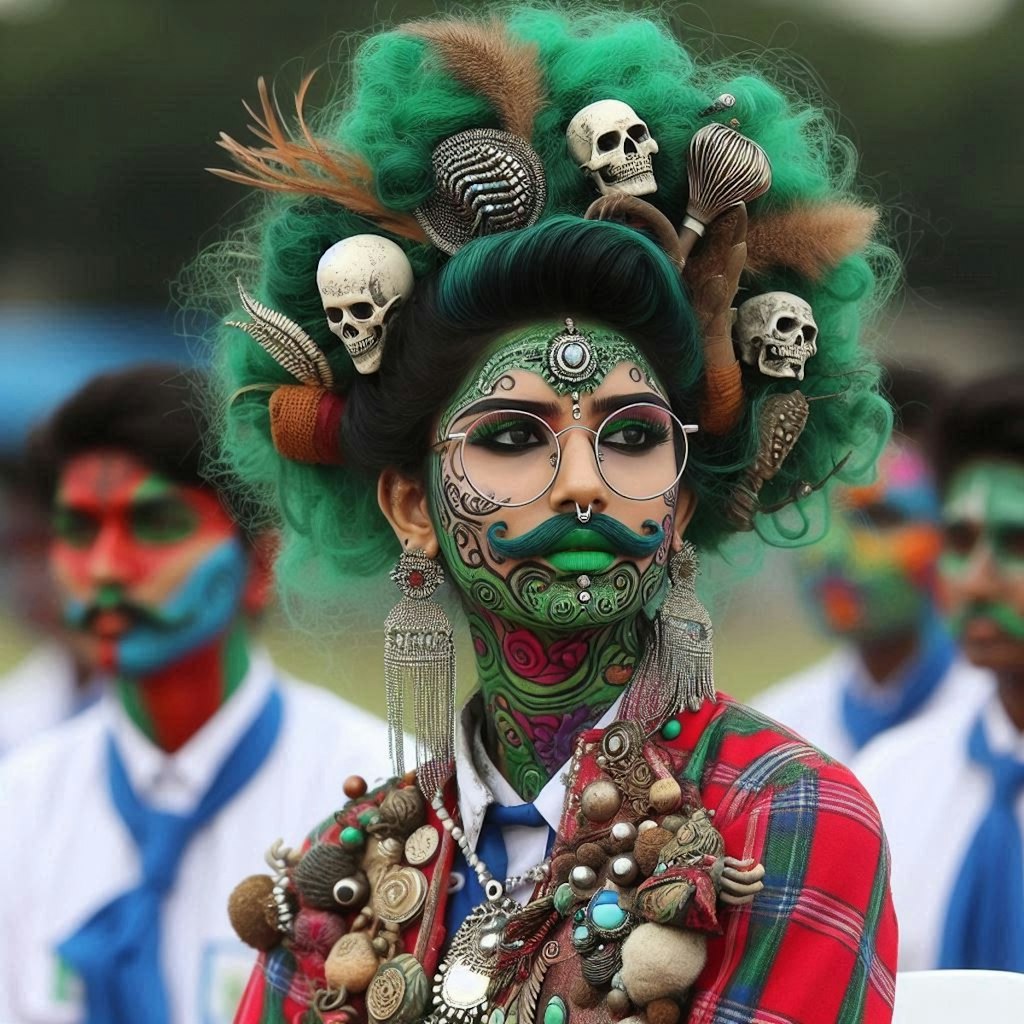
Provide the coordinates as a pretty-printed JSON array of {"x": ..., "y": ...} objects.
[
  {"x": 666, "y": 795},
  {"x": 352, "y": 962},
  {"x": 354, "y": 787},
  {"x": 662, "y": 1011},
  {"x": 648, "y": 846},
  {"x": 600, "y": 801}
]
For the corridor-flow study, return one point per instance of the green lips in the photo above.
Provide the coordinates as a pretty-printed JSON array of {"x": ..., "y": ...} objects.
[{"x": 582, "y": 551}]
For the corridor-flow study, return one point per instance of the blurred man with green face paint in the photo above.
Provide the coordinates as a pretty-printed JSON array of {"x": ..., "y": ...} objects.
[
  {"x": 951, "y": 786},
  {"x": 870, "y": 584}
]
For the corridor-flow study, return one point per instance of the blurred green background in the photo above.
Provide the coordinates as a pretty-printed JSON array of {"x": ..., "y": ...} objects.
[{"x": 109, "y": 110}]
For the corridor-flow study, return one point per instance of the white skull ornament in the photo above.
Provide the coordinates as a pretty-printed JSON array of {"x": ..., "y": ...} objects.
[
  {"x": 361, "y": 280},
  {"x": 609, "y": 141},
  {"x": 776, "y": 333}
]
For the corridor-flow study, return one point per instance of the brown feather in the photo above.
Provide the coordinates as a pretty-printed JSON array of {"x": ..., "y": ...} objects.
[
  {"x": 303, "y": 166},
  {"x": 483, "y": 57},
  {"x": 809, "y": 240}
]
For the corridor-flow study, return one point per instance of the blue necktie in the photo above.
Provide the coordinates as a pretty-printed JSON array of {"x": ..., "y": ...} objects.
[
  {"x": 985, "y": 921},
  {"x": 117, "y": 951},
  {"x": 490, "y": 848},
  {"x": 863, "y": 720}
]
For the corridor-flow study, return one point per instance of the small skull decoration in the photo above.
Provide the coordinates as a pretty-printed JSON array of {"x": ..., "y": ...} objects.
[
  {"x": 614, "y": 146},
  {"x": 362, "y": 280},
  {"x": 776, "y": 333}
]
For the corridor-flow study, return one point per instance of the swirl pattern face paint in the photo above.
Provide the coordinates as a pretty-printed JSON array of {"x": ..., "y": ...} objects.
[{"x": 556, "y": 635}]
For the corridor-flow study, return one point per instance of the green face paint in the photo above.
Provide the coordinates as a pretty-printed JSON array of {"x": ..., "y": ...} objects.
[
  {"x": 983, "y": 518},
  {"x": 555, "y": 634}
]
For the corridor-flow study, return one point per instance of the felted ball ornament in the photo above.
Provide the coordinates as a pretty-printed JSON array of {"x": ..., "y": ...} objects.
[
  {"x": 647, "y": 848},
  {"x": 659, "y": 962},
  {"x": 591, "y": 855},
  {"x": 321, "y": 868},
  {"x": 247, "y": 911},
  {"x": 317, "y": 930}
]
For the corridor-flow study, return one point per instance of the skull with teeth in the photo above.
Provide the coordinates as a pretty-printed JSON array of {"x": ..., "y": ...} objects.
[
  {"x": 614, "y": 146},
  {"x": 776, "y": 333},
  {"x": 361, "y": 281}
]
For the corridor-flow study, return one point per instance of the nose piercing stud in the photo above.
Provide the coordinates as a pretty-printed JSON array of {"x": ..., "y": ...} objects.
[{"x": 583, "y": 515}]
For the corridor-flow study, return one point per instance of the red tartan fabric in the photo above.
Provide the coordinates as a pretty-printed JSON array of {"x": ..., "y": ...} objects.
[{"x": 817, "y": 946}]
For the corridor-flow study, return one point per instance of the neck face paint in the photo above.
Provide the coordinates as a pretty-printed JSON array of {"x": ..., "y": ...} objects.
[
  {"x": 982, "y": 565},
  {"x": 873, "y": 574},
  {"x": 149, "y": 570}
]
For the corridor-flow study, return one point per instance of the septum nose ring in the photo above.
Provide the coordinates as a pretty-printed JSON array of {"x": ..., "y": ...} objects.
[{"x": 583, "y": 515}]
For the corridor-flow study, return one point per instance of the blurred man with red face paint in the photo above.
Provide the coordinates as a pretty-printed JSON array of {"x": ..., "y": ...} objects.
[
  {"x": 137, "y": 817},
  {"x": 950, "y": 786},
  {"x": 870, "y": 584}
]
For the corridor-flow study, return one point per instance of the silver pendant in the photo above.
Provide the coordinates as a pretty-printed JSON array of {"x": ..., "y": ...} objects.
[{"x": 465, "y": 977}]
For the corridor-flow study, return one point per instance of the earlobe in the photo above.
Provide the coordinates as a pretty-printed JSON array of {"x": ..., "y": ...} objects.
[
  {"x": 686, "y": 505},
  {"x": 403, "y": 500}
]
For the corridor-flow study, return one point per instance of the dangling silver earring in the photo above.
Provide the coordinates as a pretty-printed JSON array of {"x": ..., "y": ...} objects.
[
  {"x": 677, "y": 668},
  {"x": 419, "y": 663}
]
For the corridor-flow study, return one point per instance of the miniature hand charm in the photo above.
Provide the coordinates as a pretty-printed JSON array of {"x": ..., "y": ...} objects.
[{"x": 741, "y": 881}]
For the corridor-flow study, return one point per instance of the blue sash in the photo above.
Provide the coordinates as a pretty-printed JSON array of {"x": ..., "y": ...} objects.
[{"x": 117, "y": 951}]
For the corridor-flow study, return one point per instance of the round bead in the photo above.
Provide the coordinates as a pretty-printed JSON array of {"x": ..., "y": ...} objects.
[
  {"x": 584, "y": 597},
  {"x": 351, "y": 837},
  {"x": 573, "y": 356},
  {"x": 600, "y": 801},
  {"x": 493, "y": 890},
  {"x": 666, "y": 795},
  {"x": 564, "y": 898},
  {"x": 354, "y": 787},
  {"x": 624, "y": 870},
  {"x": 555, "y": 1012},
  {"x": 618, "y": 1002},
  {"x": 623, "y": 834},
  {"x": 671, "y": 729},
  {"x": 646, "y": 824},
  {"x": 582, "y": 877}
]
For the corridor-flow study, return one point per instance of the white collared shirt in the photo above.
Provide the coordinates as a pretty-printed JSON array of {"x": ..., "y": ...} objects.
[
  {"x": 932, "y": 797},
  {"x": 480, "y": 784},
  {"x": 39, "y": 692},
  {"x": 811, "y": 702},
  {"x": 70, "y": 853}
]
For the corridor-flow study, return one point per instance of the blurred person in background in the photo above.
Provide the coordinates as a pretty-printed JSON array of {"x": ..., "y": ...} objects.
[
  {"x": 135, "y": 819},
  {"x": 950, "y": 785},
  {"x": 50, "y": 683},
  {"x": 870, "y": 584}
]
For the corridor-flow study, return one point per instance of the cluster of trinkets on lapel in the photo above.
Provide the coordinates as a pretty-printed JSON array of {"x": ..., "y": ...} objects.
[{"x": 618, "y": 925}]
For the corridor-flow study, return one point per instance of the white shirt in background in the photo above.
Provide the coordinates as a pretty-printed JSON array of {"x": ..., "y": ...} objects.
[
  {"x": 811, "y": 702},
  {"x": 932, "y": 798},
  {"x": 39, "y": 692},
  {"x": 66, "y": 851}
]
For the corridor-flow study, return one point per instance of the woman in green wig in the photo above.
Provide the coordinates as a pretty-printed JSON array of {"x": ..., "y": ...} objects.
[{"x": 543, "y": 306}]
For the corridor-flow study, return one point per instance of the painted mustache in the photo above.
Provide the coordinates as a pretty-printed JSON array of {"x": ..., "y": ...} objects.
[
  {"x": 82, "y": 615},
  {"x": 565, "y": 532},
  {"x": 1008, "y": 620}
]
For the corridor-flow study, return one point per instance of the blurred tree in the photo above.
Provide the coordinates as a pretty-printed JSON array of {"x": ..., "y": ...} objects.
[{"x": 111, "y": 109}]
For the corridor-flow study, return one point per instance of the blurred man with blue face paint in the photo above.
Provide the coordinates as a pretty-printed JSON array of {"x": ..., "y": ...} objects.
[
  {"x": 161, "y": 789},
  {"x": 951, "y": 785},
  {"x": 871, "y": 585}
]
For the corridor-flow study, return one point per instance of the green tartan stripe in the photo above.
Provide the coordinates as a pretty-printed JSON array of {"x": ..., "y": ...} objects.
[
  {"x": 718, "y": 731},
  {"x": 786, "y": 854},
  {"x": 852, "y": 1010}
]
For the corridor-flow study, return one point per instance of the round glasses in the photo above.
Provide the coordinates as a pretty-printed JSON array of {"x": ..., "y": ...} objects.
[{"x": 511, "y": 457}]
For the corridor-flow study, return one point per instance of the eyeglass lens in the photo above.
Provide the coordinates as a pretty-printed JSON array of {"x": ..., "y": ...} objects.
[{"x": 511, "y": 457}]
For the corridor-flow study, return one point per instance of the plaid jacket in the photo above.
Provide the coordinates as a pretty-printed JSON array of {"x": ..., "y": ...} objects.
[{"x": 817, "y": 946}]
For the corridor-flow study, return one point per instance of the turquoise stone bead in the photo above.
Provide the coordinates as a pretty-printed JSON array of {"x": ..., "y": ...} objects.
[
  {"x": 564, "y": 898},
  {"x": 555, "y": 1012},
  {"x": 607, "y": 913},
  {"x": 580, "y": 934},
  {"x": 671, "y": 729}
]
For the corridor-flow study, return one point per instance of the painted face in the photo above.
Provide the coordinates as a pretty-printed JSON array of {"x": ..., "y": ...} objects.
[
  {"x": 148, "y": 570},
  {"x": 536, "y": 564},
  {"x": 873, "y": 574},
  {"x": 982, "y": 564}
]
